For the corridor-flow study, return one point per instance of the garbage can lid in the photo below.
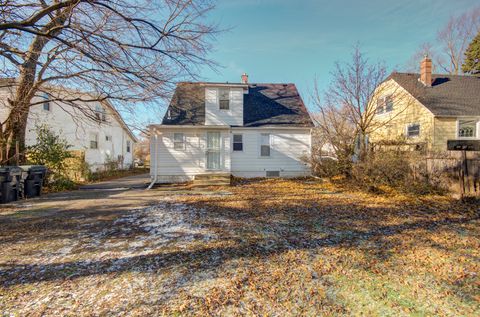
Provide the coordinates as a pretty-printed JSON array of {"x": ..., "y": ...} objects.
[
  {"x": 10, "y": 169},
  {"x": 33, "y": 168}
]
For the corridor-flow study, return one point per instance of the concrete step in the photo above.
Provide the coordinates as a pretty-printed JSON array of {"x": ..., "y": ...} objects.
[
  {"x": 207, "y": 184},
  {"x": 199, "y": 181},
  {"x": 213, "y": 176}
]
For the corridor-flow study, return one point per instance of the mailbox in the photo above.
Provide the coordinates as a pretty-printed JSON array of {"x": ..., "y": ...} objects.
[{"x": 463, "y": 145}]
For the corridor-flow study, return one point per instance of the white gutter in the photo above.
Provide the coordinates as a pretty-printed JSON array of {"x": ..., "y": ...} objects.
[{"x": 155, "y": 162}]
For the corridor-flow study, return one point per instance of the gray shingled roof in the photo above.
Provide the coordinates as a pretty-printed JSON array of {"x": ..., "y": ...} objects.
[
  {"x": 449, "y": 95},
  {"x": 264, "y": 105}
]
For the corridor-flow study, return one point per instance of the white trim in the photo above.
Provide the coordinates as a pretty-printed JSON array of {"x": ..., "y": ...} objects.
[
  {"x": 261, "y": 144},
  {"x": 183, "y": 141},
  {"x": 229, "y": 98},
  {"x": 477, "y": 127},
  {"x": 413, "y": 136},
  {"x": 221, "y": 151},
  {"x": 233, "y": 142}
]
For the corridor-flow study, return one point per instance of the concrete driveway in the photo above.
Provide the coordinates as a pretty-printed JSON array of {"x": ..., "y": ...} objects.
[{"x": 129, "y": 182}]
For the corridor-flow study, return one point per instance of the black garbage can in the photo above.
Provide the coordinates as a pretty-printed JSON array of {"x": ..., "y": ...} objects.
[
  {"x": 33, "y": 177},
  {"x": 10, "y": 177}
]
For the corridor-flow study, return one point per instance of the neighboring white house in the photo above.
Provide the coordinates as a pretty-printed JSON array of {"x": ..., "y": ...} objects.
[
  {"x": 247, "y": 130},
  {"x": 103, "y": 136}
]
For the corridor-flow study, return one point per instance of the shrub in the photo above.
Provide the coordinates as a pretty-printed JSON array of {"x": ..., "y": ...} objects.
[
  {"x": 50, "y": 150},
  {"x": 382, "y": 168},
  {"x": 61, "y": 183},
  {"x": 395, "y": 169}
]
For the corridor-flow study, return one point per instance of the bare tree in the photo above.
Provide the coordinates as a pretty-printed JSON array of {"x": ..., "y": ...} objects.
[
  {"x": 451, "y": 43},
  {"x": 121, "y": 50},
  {"x": 347, "y": 111}
]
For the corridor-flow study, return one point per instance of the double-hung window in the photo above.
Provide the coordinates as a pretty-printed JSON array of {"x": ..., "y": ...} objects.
[
  {"x": 238, "y": 142},
  {"x": 178, "y": 141},
  {"x": 467, "y": 128},
  {"x": 413, "y": 130},
  {"x": 265, "y": 145},
  {"x": 100, "y": 113},
  {"x": 224, "y": 98},
  {"x": 129, "y": 146},
  {"x": 46, "y": 103},
  {"x": 388, "y": 103},
  {"x": 379, "y": 105},
  {"x": 384, "y": 104},
  {"x": 93, "y": 141}
]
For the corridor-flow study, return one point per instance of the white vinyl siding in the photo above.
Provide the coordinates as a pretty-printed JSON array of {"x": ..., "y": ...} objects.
[
  {"x": 286, "y": 150},
  {"x": 175, "y": 166},
  {"x": 287, "y": 147},
  {"x": 216, "y": 116}
]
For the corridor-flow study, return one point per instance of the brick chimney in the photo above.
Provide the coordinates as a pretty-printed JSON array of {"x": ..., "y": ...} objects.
[
  {"x": 426, "y": 71},
  {"x": 244, "y": 78}
]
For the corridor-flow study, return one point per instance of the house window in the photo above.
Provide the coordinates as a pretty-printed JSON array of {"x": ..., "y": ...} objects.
[
  {"x": 224, "y": 98},
  {"x": 46, "y": 103},
  {"x": 128, "y": 146},
  {"x": 108, "y": 138},
  {"x": 413, "y": 130},
  {"x": 384, "y": 104},
  {"x": 238, "y": 142},
  {"x": 467, "y": 128},
  {"x": 265, "y": 145},
  {"x": 388, "y": 104},
  {"x": 100, "y": 113},
  {"x": 178, "y": 141},
  {"x": 379, "y": 105},
  {"x": 93, "y": 141}
]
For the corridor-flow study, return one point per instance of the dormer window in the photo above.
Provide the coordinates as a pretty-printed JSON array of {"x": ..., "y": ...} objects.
[{"x": 224, "y": 98}]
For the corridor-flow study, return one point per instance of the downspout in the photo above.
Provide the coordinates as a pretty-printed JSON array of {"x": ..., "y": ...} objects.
[{"x": 155, "y": 162}]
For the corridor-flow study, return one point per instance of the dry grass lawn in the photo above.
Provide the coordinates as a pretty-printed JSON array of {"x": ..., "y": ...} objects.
[{"x": 271, "y": 248}]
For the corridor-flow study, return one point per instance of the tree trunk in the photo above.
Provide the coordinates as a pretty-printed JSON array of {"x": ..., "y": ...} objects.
[{"x": 14, "y": 128}]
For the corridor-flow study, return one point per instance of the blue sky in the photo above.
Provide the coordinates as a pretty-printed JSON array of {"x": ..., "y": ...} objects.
[
  {"x": 300, "y": 40},
  {"x": 296, "y": 41}
]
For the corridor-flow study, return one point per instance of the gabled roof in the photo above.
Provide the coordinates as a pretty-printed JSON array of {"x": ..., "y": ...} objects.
[
  {"x": 449, "y": 95},
  {"x": 263, "y": 105}
]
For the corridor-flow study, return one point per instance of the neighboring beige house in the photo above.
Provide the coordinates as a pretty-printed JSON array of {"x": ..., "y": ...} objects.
[
  {"x": 102, "y": 137},
  {"x": 427, "y": 109},
  {"x": 241, "y": 129}
]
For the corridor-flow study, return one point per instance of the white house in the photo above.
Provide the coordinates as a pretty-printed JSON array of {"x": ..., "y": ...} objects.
[
  {"x": 98, "y": 130},
  {"x": 242, "y": 129}
]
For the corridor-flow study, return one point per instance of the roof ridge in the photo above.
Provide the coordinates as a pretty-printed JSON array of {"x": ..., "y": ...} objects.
[{"x": 438, "y": 74}]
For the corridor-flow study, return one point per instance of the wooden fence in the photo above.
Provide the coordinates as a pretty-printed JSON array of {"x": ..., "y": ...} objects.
[{"x": 461, "y": 176}]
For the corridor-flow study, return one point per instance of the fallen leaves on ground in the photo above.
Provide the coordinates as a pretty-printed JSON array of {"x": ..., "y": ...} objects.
[{"x": 272, "y": 247}]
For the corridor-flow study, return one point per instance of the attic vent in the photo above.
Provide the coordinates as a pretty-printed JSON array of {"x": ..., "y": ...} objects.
[{"x": 273, "y": 173}]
